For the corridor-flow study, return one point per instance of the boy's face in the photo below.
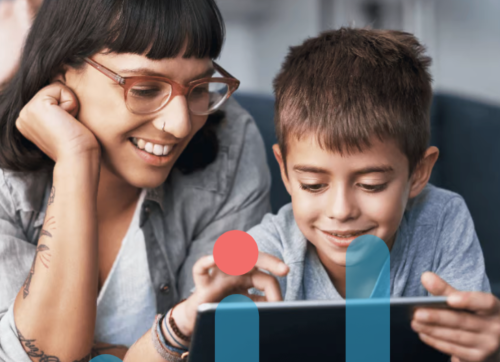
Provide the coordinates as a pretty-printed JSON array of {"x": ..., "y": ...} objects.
[{"x": 337, "y": 198}]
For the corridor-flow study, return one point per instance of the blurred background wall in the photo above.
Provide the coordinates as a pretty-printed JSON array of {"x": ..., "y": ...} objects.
[{"x": 462, "y": 36}]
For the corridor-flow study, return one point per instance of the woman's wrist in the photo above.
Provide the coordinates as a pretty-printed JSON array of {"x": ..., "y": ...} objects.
[
  {"x": 181, "y": 323},
  {"x": 184, "y": 315}
]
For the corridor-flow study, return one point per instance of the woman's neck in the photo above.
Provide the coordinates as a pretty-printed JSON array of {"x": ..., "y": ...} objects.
[{"x": 114, "y": 195}]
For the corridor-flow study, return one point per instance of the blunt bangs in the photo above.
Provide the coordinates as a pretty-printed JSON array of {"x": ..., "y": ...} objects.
[{"x": 161, "y": 28}]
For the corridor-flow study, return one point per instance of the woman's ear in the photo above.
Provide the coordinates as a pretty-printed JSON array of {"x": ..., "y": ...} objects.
[
  {"x": 279, "y": 158},
  {"x": 422, "y": 172},
  {"x": 60, "y": 77}
]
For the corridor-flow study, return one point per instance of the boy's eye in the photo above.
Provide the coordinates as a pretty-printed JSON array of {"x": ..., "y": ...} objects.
[
  {"x": 373, "y": 188},
  {"x": 312, "y": 188}
]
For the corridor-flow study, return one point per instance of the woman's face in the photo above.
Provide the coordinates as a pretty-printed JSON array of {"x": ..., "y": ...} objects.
[{"x": 104, "y": 112}]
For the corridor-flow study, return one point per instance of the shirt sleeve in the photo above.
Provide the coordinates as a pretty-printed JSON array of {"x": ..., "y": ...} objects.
[
  {"x": 16, "y": 256},
  {"x": 459, "y": 258},
  {"x": 247, "y": 203}
]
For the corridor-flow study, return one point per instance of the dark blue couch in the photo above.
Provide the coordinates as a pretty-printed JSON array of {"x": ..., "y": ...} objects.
[{"x": 468, "y": 135}]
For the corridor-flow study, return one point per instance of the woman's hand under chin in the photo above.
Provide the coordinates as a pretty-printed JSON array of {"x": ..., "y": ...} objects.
[{"x": 48, "y": 120}]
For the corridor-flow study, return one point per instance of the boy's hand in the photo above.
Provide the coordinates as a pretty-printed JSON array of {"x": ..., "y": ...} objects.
[
  {"x": 472, "y": 334},
  {"x": 213, "y": 285}
]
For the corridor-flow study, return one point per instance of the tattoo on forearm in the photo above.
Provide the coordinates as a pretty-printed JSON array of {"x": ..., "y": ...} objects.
[
  {"x": 43, "y": 251},
  {"x": 34, "y": 352},
  {"x": 50, "y": 224},
  {"x": 52, "y": 196}
]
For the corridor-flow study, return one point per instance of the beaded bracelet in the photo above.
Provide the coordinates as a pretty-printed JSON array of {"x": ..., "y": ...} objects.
[
  {"x": 170, "y": 333},
  {"x": 166, "y": 351},
  {"x": 174, "y": 327}
]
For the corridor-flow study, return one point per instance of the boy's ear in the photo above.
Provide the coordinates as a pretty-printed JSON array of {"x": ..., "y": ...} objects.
[
  {"x": 423, "y": 171},
  {"x": 279, "y": 158}
]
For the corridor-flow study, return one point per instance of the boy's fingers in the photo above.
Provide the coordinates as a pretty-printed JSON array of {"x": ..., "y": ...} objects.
[
  {"x": 435, "y": 285},
  {"x": 450, "y": 319},
  {"x": 272, "y": 264},
  {"x": 464, "y": 353},
  {"x": 201, "y": 270},
  {"x": 452, "y": 335},
  {"x": 483, "y": 303},
  {"x": 268, "y": 284}
]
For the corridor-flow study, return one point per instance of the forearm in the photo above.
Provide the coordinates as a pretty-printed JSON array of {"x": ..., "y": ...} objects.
[{"x": 56, "y": 308}]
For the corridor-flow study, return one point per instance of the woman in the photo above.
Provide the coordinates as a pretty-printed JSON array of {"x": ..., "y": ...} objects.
[{"x": 121, "y": 164}]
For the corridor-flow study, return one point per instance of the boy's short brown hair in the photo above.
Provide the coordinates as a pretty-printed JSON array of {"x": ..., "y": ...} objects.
[{"x": 349, "y": 84}]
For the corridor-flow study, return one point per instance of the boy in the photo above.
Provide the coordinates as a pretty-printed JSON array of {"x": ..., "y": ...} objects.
[{"x": 352, "y": 120}]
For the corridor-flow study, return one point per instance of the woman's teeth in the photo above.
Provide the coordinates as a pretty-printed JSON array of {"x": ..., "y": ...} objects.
[{"x": 154, "y": 149}]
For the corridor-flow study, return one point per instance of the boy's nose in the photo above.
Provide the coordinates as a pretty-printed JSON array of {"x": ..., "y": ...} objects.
[
  {"x": 342, "y": 205},
  {"x": 175, "y": 118}
]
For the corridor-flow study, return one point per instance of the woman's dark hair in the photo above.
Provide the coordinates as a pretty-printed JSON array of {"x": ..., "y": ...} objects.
[{"x": 66, "y": 31}]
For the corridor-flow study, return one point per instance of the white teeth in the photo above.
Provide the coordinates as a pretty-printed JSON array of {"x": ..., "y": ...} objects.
[
  {"x": 345, "y": 236},
  {"x": 158, "y": 150}
]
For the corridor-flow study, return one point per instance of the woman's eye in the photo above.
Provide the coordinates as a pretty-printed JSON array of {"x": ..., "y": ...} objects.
[
  {"x": 199, "y": 91},
  {"x": 373, "y": 188},
  {"x": 145, "y": 92},
  {"x": 312, "y": 188}
]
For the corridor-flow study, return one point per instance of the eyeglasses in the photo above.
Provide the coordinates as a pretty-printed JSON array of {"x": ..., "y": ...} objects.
[{"x": 149, "y": 94}]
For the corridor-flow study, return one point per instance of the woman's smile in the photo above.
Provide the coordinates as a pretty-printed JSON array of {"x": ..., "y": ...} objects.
[{"x": 153, "y": 152}]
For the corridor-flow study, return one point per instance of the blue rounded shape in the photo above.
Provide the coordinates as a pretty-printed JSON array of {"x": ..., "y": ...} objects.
[
  {"x": 368, "y": 287},
  {"x": 106, "y": 358},
  {"x": 237, "y": 330}
]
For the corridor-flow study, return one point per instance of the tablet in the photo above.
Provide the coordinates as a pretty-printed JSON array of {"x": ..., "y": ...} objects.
[{"x": 315, "y": 330}]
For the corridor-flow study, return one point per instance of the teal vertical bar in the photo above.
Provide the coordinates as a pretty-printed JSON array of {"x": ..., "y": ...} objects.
[
  {"x": 236, "y": 330},
  {"x": 368, "y": 300},
  {"x": 106, "y": 358}
]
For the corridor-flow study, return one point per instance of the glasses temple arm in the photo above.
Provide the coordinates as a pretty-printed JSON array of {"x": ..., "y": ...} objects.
[{"x": 105, "y": 71}]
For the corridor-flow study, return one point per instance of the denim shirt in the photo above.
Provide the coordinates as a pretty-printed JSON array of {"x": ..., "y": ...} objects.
[{"x": 181, "y": 219}]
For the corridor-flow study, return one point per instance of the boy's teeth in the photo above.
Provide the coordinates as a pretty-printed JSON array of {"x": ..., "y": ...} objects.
[{"x": 157, "y": 150}]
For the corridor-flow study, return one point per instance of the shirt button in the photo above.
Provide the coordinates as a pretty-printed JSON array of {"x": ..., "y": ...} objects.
[
  {"x": 147, "y": 209},
  {"x": 164, "y": 288}
]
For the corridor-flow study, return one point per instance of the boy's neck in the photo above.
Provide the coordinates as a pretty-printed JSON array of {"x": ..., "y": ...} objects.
[{"x": 335, "y": 272}]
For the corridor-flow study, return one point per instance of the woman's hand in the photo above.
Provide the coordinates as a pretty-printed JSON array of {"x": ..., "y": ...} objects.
[
  {"x": 48, "y": 120},
  {"x": 213, "y": 285},
  {"x": 470, "y": 335}
]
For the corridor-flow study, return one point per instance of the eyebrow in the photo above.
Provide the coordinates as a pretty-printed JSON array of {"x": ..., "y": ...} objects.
[
  {"x": 148, "y": 72},
  {"x": 363, "y": 171}
]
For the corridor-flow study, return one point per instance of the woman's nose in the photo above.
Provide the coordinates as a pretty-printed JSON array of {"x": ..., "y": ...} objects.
[{"x": 175, "y": 118}]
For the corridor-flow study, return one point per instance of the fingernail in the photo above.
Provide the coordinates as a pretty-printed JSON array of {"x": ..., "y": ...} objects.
[
  {"x": 283, "y": 267},
  {"x": 454, "y": 299},
  {"x": 421, "y": 315}
]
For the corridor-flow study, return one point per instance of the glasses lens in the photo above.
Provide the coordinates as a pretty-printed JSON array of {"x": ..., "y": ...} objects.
[
  {"x": 207, "y": 97},
  {"x": 148, "y": 96}
]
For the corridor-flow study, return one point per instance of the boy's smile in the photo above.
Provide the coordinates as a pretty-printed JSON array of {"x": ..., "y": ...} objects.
[{"x": 338, "y": 197}]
